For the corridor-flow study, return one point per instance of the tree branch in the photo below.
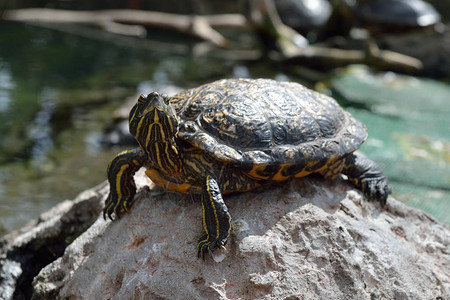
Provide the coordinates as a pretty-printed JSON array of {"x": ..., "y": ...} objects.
[{"x": 132, "y": 22}]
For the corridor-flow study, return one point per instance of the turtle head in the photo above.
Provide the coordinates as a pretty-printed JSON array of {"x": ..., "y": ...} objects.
[{"x": 153, "y": 119}]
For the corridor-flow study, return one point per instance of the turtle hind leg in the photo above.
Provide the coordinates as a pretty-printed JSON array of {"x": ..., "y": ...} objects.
[
  {"x": 215, "y": 218},
  {"x": 367, "y": 176},
  {"x": 122, "y": 187}
]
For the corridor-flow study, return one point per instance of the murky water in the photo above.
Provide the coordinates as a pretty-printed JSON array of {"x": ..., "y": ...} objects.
[
  {"x": 408, "y": 120},
  {"x": 57, "y": 94}
]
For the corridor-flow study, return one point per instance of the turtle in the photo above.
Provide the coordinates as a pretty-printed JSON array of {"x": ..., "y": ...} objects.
[
  {"x": 381, "y": 16},
  {"x": 235, "y": 135},
  {"x": 304, "y": 15},
  {"x": 388, "y": 15}
]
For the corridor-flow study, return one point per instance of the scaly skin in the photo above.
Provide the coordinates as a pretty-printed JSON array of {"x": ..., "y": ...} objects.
[
  {"x": 215, "y": 218},
  {"x": 121, "y": 183},
  {"x": 368, "y": 177}
]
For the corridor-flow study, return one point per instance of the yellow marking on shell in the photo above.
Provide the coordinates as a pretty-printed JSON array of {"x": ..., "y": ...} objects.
[
  {"x": 279, "y": 175},
  {"x": 118, "y": 177},
  {"x": 304, "y": 173},
  {"x": 253, "y": 172},
  {"x": 160, "y": 180},
  {"x": 248, "y": 187},
  {"x": 333, "y": 168}
]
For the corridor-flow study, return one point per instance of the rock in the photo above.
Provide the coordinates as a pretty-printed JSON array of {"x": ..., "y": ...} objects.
[
  {"x": 306, "y": 239},
  {"x": 25, "y": 252}
]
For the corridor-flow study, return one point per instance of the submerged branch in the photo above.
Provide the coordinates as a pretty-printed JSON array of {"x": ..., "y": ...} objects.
[
  {"x": 264, "y": 20},
  {"x": 333, "y": 57},
  {"x": 293, "y": 48},
  {"x": 133, "y": 22}
]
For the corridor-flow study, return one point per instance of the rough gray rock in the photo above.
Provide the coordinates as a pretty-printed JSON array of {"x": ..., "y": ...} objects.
[
  {"x": 25, "y": 252},
  {"x": 307, "y": 239}
]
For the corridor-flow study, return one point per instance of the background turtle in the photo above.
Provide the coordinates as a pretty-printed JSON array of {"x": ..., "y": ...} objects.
[
  {"x": 380, "y": 16},
  {"x": 304, "y": 15},
  {"x": 396, "y": 15},
  {"x": 234, "y": 135}
]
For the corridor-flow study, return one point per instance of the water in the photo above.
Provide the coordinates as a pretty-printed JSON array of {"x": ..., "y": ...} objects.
[
  {"x": 408, "y": 120},
  {"x": 57, "y": 95}
]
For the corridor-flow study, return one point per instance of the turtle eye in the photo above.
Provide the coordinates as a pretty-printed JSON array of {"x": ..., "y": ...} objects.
[{"x": 142, "y": 98}]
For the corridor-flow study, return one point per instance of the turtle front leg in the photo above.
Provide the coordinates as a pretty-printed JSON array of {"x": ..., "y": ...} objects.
[
  {"x": 367, "y": 176},
  {"x": 122, "y": 187},
  {"x": 215, "y": 218}
]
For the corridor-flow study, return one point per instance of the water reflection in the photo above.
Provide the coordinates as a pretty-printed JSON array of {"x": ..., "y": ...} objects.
[
  {"x": 58, "y": 92},
  {"x": 5, "y": 100},
  {"x": 40, "y": 132},
  {"x": 6, "y": 85}
]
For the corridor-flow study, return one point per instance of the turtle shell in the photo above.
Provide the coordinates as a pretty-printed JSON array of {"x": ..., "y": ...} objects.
[
  {"x": 266, "y": 122},
  {"x": 404, "y": 13},
  {"x": 304, "y": 15}
]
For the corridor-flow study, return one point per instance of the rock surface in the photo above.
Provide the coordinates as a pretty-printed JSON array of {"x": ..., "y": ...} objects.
[
  {"x": 25, "y": 252},
  {"x": 308, "y": 239}
]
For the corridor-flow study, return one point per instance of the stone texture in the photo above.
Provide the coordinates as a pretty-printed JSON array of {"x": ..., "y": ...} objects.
[
  {"x": 307, "y": 239},
  {"x": 25, "y": 252}
]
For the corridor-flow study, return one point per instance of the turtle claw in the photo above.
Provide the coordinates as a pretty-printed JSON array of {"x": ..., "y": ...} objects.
[
  {"x": 116, "y": 206},
  {"x": 122, "y": 187},
  {"x": 367, "y": 176},
  {"x": 376, "y": 189},
  {"x": 207, "y": 245},
  {"x": 216, "y": 220}
]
